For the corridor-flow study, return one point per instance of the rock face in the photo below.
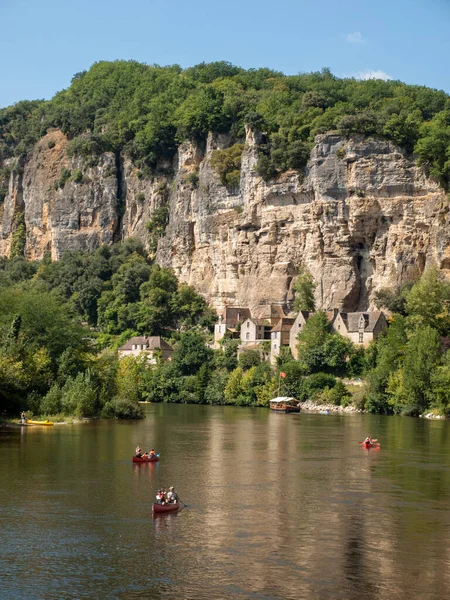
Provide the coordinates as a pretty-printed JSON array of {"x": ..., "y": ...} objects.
[{"x": 364, "y": 216}]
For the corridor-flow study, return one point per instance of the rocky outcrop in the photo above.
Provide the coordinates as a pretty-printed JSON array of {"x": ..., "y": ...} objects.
[{"x": 363, "y": 216}]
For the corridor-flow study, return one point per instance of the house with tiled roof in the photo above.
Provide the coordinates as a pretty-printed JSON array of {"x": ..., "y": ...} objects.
[
  {"x": 255, "y": 331},
  {"x": 229, "y": 321},
  {"x": 360, "y": 327},
  {"x": 297, "y": 327},
  {"x": 280, "y": 336},
  {"x": 152, "y": 346}
]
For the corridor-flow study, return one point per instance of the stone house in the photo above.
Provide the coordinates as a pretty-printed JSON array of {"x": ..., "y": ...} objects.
[
  {"x": 280, "y": 336},
  {"x": 228, "y": 322},
  {"x": 360, "y": 327},
  {"x": 152, "y": 346},
  {"x": 297, "y": 326},
  {"x": 255, "y": 331}
]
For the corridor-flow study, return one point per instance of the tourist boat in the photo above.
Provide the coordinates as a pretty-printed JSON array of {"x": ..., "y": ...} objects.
[
  {"x": 164, "y": 508},
  {"x": 143, "y": 459},
  {"x": 46, "y": 423},
  {"x": 284, "y": 404}
]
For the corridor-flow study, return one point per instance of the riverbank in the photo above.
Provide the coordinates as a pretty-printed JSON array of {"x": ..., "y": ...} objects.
[
  {"x": 56, "y": 419},
  {"x": 314, "y": 407}
]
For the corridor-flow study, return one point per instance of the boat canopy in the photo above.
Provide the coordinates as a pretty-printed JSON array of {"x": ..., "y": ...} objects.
[{"x": 283, "y": 399}]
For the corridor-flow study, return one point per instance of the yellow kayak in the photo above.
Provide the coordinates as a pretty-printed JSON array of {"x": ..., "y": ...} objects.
[{"x": 47, "y": 423}]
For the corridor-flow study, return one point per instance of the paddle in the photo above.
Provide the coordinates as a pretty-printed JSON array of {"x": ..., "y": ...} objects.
[{"x": 184, "y": 505}]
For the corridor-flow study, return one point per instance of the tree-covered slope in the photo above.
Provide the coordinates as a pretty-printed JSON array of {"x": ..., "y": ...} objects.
[{"x": 145, "y": 111}]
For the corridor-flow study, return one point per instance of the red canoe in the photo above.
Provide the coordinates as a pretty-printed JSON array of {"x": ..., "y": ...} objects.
[
  {"x": 163, "y": 508},
  {"x": 145, "y": 460},
  {"x": 376, "y": 446}
]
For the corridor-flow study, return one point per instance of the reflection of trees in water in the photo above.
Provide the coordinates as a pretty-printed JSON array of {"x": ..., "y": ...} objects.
[{"x": 358, "y": 576}]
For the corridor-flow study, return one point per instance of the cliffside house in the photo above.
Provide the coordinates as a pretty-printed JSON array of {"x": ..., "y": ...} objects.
[
  {"x": 280, "y": 336},
  {"x": 152, "y": 346},
  {"x": 297, "y": 326},
  {"x": 360, "y": 327},
  {"x": 254, "y": 331},
  {"x": 228, "y": 322}
]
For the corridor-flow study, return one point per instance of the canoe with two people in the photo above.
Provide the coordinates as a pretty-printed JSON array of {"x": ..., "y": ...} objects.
[
  {"x": 166, "y": 501},
  {"x": 370, "y": 442}
]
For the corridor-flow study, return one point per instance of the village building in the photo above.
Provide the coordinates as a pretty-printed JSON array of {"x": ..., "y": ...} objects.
[
  {"x": 151, "y": 346},
  {"x": 297, "y": 326},
  {"x": 228, "y": 323},
  {"x": 360, "y": 327},
  {"x": 254, "y": 331},
  {"x": 280, "y": 336}
]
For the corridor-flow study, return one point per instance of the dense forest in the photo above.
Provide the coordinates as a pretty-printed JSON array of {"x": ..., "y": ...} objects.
[
  {"x": 62, "y": 322},
  {"x": 145, "y": 111}
]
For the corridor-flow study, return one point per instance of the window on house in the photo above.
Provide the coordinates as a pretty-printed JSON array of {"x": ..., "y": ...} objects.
[
  {"x": 247, "y": 336},
  {"x": 274, "y": 346},
  {"x": 361, "y": 337},
  {"x": 248, "y": 323}
]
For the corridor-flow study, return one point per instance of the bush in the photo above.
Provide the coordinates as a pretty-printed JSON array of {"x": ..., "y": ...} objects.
[
  {"x": 51, "y": 144},
  {"x": 64, "y": 176},
  {"x": 77, "y": 176},
  {"x": 227, "y": 164},
  {"x": 157, "y": 225},
  {"x": 127, "y": 409},
  {"x": 317, "y": 382},
  {"x": 34, "y": 401},
  {"x": 140, "y": 197},
  {"x": 19, "y": 236},
  {"x": 192, "y": 179},
  {"x": 107, "y": 410},
  {"x": 248, "y": 359},
  {"x": 79, "y": 396},
  {"x": 51, "y": 403}
]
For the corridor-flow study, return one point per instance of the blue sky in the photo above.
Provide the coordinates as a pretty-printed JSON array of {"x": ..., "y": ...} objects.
[{"x": 44, "y": 42}]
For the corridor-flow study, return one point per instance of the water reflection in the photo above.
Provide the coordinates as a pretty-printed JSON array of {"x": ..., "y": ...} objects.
[{"x": 279, "y": 507}]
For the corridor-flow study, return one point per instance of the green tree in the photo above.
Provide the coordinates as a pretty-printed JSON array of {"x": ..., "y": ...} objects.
[
  {"x": 227, "y": 164},
  {"x": 304, "y": 287},
  {"x": 191, "y": 353},
  {"x": 427, "y": 302},
  {"x": 421, "y": 357},
  {"x": 248, "y": 359}
]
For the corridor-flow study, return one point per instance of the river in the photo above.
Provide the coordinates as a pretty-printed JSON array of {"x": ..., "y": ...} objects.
[{"x": 279, "y": 506}]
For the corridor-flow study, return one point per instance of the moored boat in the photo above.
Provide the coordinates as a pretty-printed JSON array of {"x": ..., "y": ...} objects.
[
  {"x": 164, "y": 508},
  {"x": 136, "y": 459},
  {"x": 284, "y": 404},
  {"x": 45, "y": 423}
]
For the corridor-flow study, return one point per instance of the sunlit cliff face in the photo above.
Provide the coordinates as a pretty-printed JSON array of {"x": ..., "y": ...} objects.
[{"x": 363, "y": 216}]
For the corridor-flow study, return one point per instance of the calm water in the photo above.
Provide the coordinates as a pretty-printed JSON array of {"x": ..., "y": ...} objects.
[{"x": 280, "y": 506}]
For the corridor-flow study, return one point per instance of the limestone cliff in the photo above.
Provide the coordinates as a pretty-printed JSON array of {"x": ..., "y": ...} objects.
[{"x": 364, "y": 216}]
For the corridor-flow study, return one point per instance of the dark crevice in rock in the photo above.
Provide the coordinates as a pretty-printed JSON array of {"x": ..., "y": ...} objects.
[{"x": 121, "y": 194}]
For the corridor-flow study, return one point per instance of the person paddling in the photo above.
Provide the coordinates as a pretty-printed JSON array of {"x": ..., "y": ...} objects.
[
  {"x": 172, "y": 496},
  {"x": 138, "y": 452}
]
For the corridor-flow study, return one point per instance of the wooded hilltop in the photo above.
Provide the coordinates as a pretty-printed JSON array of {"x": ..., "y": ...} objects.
[{"x": 166, "y": 193}]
